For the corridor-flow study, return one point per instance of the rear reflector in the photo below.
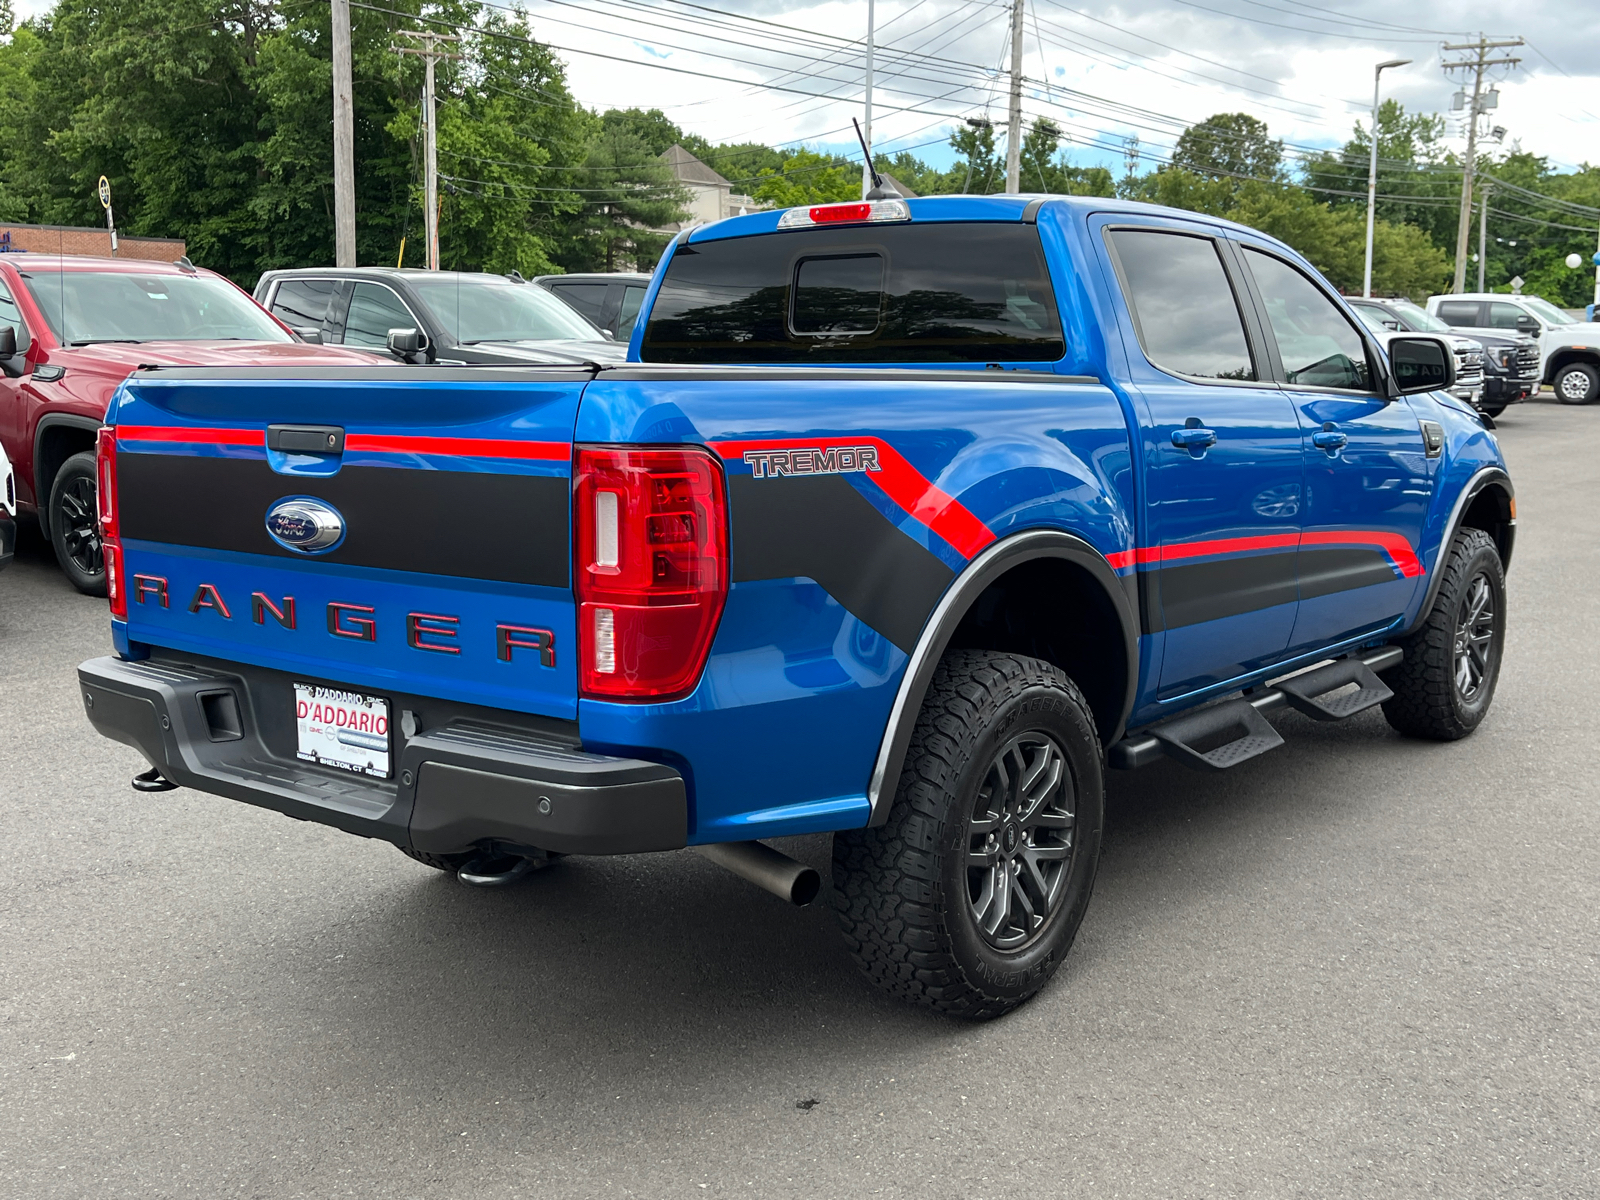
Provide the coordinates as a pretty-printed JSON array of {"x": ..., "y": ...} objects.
[
  {"x": 105, "y": 503},
  {"x": 652, "y": 570},
  {"x": 841, "y": 214}
]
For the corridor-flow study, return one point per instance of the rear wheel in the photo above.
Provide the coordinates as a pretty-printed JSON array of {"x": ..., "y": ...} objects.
[
  {"x": 1577, "y": 383},
  {"x": 1445, "y": 684},
  {"x": 968, "y": 898},
  {"x": 75, "y": 525}
]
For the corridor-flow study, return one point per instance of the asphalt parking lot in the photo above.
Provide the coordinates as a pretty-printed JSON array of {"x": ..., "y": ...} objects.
[{"x": 1358, "y": 966}]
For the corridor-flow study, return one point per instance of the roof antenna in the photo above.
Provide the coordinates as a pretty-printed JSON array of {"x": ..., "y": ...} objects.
[{"x": 880, "y": 190}]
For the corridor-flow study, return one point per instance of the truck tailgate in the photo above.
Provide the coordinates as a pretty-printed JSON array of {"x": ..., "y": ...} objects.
[{"x": 445, "y": 561}]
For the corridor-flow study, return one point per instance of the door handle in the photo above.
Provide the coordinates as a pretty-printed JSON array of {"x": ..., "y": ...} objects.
[
  {"x": 1193, "y": 438},
  {"x": 1330, "y": 439}
]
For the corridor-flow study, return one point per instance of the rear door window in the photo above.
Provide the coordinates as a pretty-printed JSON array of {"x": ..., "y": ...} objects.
[
  {"x": 374, "y": 310},
  {"x": 1459, "y": 313},
  {"x": 1183, "y": 305},
  {"x": 305, "y": 303},
  {"x": 945, "y": 292}
]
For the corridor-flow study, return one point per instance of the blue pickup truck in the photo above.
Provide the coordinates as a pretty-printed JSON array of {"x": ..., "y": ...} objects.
[{"x": 904, "y": 521}]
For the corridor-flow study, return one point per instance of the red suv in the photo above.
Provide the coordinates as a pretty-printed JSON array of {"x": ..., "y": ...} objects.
[{"x": 71, "y": 330}]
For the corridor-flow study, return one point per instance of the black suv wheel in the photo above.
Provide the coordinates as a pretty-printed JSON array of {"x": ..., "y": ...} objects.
[
  {"x": 1444, "y": 686},
  {"x": 75, "y": 525},
  {"x": 1577, "y": 383},
  {"x": 967, "y": 900}
]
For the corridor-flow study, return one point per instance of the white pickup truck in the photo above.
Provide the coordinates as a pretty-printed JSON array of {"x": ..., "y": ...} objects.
[{"x": 1569, "y": 351}]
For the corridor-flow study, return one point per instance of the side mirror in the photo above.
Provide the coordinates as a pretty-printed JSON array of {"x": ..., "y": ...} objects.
[
  {"x": 314, "y": 336},
  {"x": 1526, "y": 324},
  {"x": 408, "y": 344},
  {"x": 610, "y": 333},
  {"x": 8, "y": 351},
  {"x": 1422, "y": 364},
  {"x": 1392, "y": 324}
]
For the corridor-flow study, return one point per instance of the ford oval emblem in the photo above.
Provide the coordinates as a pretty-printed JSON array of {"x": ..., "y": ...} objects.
[{"x": 305, "y": 524}]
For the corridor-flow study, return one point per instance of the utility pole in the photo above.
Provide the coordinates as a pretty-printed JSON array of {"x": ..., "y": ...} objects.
[
  {"x": 344, "y": 142},
  {"x": 866, "y": 166},
  {"x": 1014, "y": 129},
  {"x": 430, "y": 53},
  {"x": 1372, "y": 169},
  {"x": 1477, "y": 64},
  {"x": 1483, "y": 227}
]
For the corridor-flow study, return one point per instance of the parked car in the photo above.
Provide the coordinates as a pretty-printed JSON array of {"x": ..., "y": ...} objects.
[
  {"x": 610, "y": 302},
  {"x": 8, "y": 510},
  {"x": 909, "y": 519},
  {"x": 1509, "y": 364},
  {"x": 1569, "y": 351},
  {"x": 71, "y": 330},
  {"x": 459, "y": 316}
]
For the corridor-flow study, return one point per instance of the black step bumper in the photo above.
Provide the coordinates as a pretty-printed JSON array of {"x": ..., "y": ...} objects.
[{"x": 458, "y": 781}]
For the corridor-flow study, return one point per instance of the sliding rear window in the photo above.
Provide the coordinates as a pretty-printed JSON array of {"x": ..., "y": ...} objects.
[{"x": 974, "y": 292}]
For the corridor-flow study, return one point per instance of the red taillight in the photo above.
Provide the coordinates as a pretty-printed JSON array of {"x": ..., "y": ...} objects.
[
  {"x": 105, "y": 470},
  {"x": 652, "y": 568}
]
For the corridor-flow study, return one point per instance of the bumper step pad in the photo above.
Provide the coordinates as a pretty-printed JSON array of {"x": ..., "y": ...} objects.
[
  {"x": 1253, "y": 735},
  {"x": 1309, "y": 693}
]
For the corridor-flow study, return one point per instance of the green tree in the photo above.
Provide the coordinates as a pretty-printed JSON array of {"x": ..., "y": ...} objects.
[
  {"x": 1229, "y": 144},
  {"x": 629, "y": 195},
  {"x": 807, "y": 177}
]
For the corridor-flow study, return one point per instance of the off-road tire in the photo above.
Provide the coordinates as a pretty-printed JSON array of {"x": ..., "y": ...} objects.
[
  {"x": 73, "y": 482},
  {"x": 1428, "y": 701},
  {"x": 1567, "y": 387},
  {"x": 901, "y": 890},
  {"x": 439, "y": 862}
]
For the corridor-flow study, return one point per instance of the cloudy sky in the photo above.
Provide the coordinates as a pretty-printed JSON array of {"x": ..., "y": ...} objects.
[{"x": 789, "y": 71}]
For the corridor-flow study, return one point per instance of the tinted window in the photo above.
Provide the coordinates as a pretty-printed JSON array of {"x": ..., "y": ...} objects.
[
  {"x": 374, "y": 310},
  {"x": 304, "y": 303},
  {"x": 839, "y": 294},
  {"x": 11, "y": 315},
  {"x": 1318, "y": 344},
  {"x": 1504, "y": 316},
  {"x": 1183, "y": 305},
  {"x": 970, "y": 292},
  {"x": 632, "y": 300},
  {"x": 1457, "y": 312},
  {"x": 588, "y": 298}
]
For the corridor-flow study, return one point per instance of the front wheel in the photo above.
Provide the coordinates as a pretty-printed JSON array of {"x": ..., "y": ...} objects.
[
  {"x": 968, "y": 898},
  {"x": 1578, "y": 383},
  {"x": 1445, "y": 684},
  {"x": 75, "y": 525}
]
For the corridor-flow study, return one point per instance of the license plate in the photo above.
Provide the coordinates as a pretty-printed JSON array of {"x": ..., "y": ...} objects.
[{"x": 342, "y": 729}]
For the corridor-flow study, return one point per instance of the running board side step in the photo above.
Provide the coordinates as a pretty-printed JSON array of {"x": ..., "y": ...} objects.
[{"x": 1177, "y": 737}]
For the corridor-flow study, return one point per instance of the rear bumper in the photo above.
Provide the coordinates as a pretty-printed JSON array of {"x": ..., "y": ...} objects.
[
  {"x": 8, "y": 539},
  {"x": 457, "y": 781}
]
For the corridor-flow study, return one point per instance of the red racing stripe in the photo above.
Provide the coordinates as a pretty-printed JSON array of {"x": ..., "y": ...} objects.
[
  {"x": 197, "y": 436},
  {"x": 1395, "y": 546},
  {"x": 902, "y": 482},
  {"x": 462, "y": 447}
]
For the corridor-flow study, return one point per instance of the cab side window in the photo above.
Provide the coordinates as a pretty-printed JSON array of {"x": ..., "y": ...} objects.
[
  {"x": 1460, "y": 313},
  {"x": 11, "y": 315},
  {"x": 374, "y": 310},
  {"x": 1318, "y": 344},
  {"x": 1504, "y": 316},
  {"x": 1182, "y": 303},
  {"x": 632, "y": 300},
  {"x": 304, "y": 303},
  {"x": 588, "y": 298}
]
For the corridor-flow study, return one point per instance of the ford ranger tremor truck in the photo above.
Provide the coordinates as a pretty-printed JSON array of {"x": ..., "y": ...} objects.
[
  {"x": 905, "y": 520},
  {"x": 1569, "y": 351},
  {"x": 71, "y": 330}
]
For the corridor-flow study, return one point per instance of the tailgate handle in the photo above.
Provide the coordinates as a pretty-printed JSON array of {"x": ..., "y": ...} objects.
[{"x": 306, "y": 439}]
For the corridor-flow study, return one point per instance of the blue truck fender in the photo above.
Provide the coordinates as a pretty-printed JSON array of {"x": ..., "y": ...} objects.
[
  {"x": 1486, "y": 501},
  {"x": 991, "y": 566}
]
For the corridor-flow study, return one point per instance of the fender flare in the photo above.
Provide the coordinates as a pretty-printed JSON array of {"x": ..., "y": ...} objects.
[
  {"x": 1483, "y": 478},
  {"x": 41, "y": 490},
  {"x": 941, "y": 625}
]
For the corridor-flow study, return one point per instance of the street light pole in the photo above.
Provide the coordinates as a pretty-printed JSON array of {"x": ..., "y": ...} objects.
[{"x": 1372, "y": 170}]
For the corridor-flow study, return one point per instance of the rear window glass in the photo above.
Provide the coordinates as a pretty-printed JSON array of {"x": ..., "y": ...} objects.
[{"x": 976, "y": 292}]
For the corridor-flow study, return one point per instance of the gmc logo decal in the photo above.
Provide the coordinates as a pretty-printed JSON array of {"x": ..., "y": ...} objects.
[{"x": 434, "y": 633}]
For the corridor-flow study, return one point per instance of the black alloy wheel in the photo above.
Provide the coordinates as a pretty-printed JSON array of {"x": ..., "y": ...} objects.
[
  {"x": 1475, "y": 648},
  {"x": 1020, "y": 841},
  {"x": 75, "y": 525}
]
